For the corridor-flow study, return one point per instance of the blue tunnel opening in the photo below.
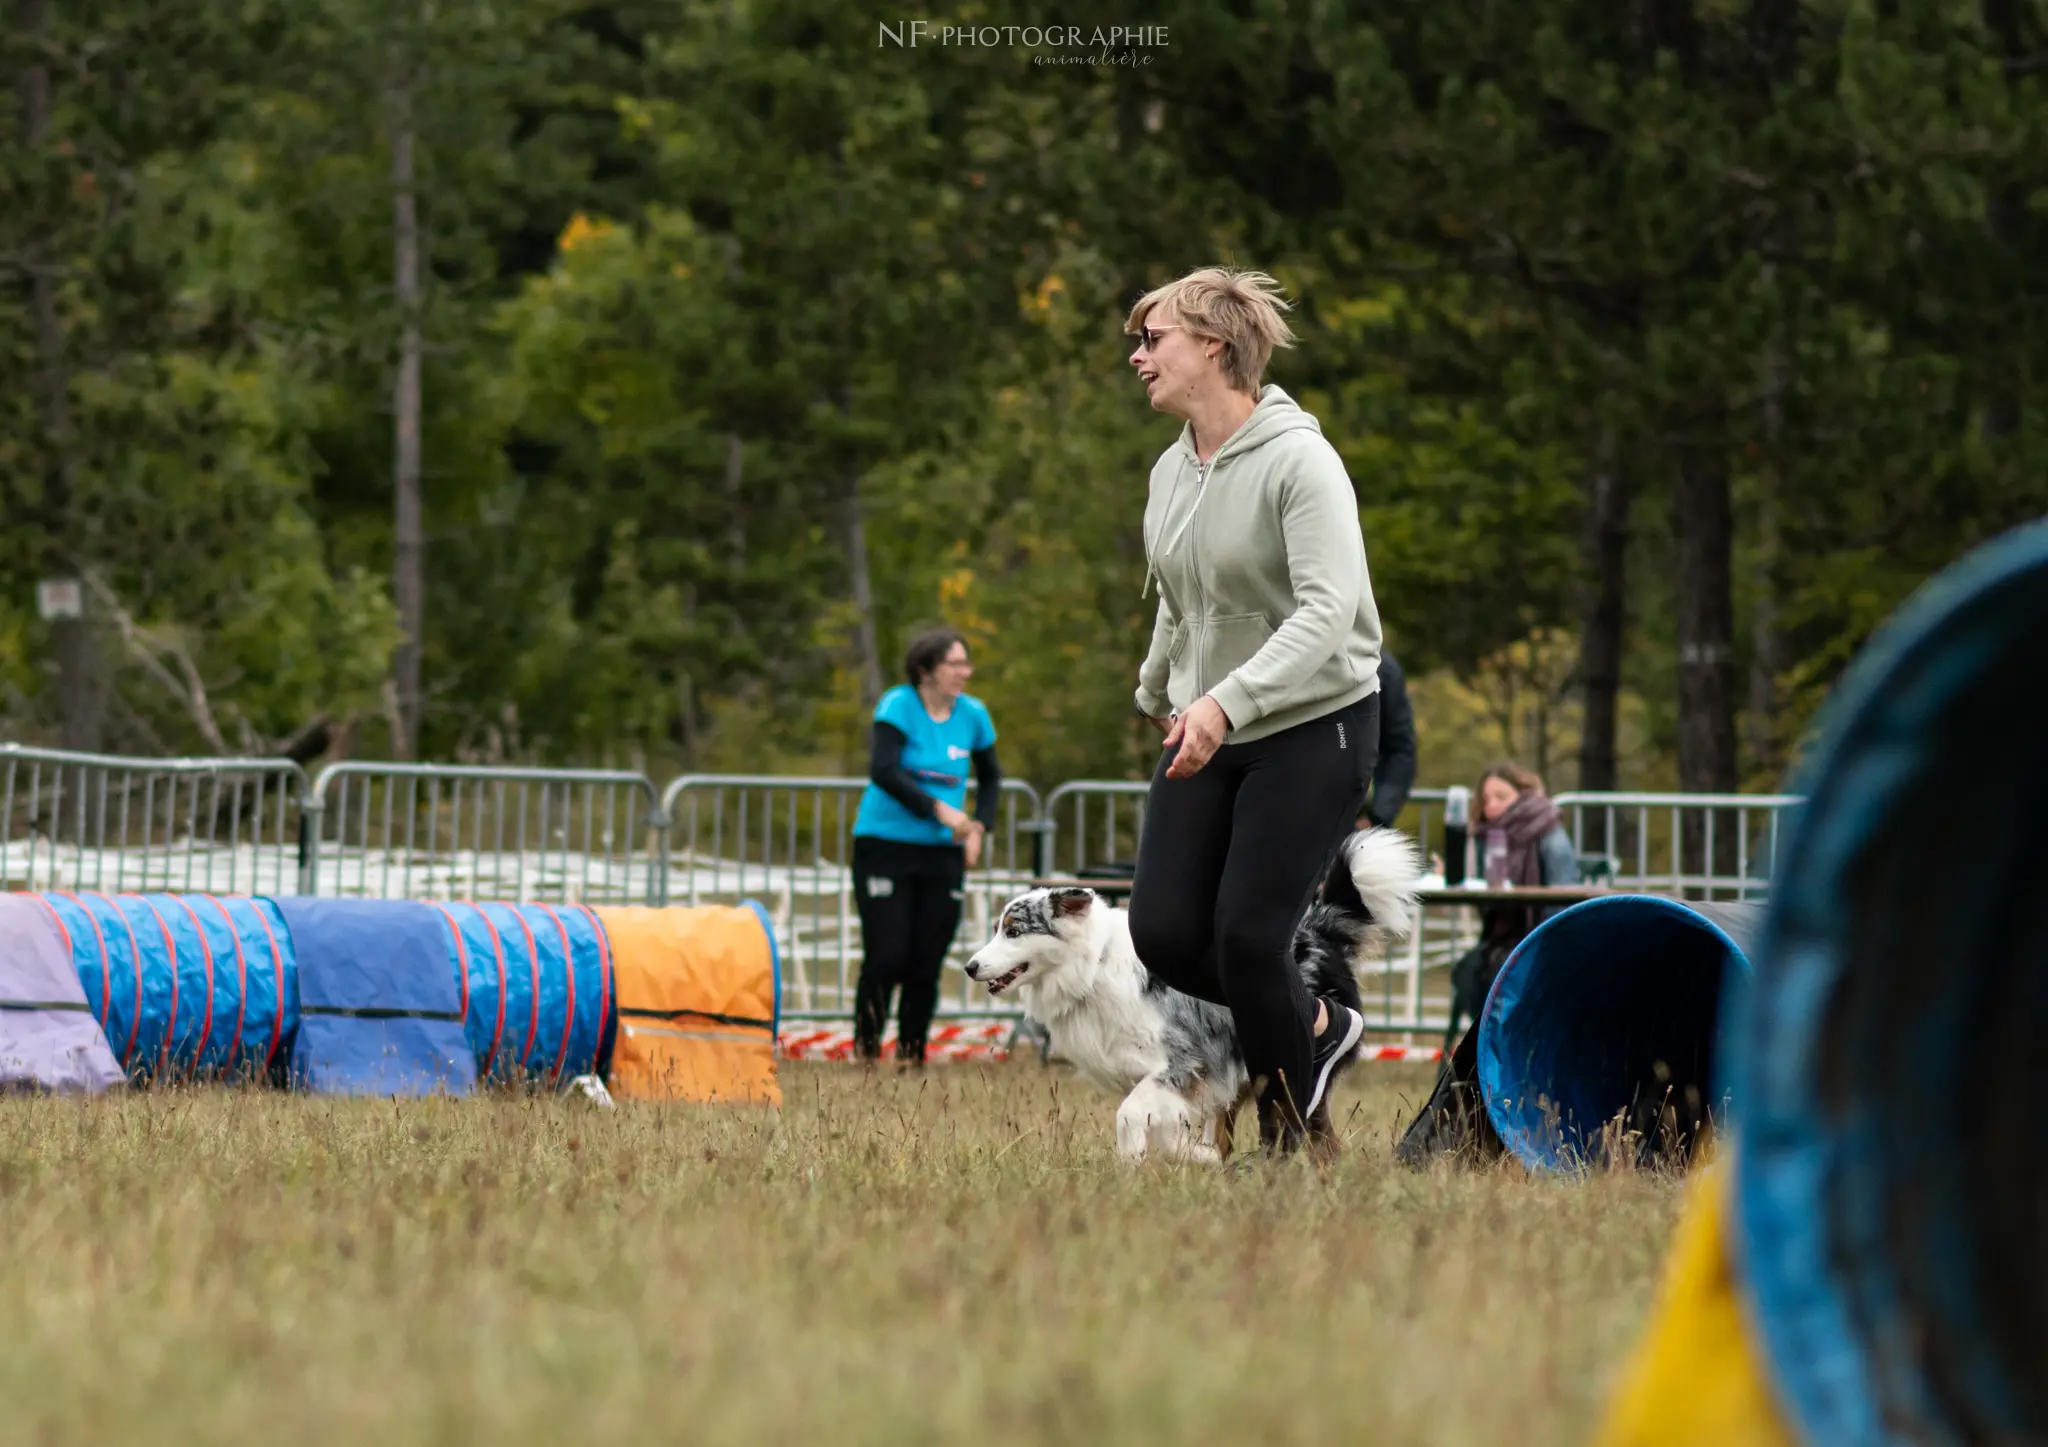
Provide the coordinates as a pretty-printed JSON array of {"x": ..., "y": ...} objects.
[
  {"x": 1608, "y": 1010},
  {"x": 1891, "y": 1203}
]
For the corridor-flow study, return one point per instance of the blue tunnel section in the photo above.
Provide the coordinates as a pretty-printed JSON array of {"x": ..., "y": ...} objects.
[
  {"x": 380, "y": 1006},
  {"x": 1609, "y": 1009},
  {"x": 536, "y": 988},
  {"x": 1891, "y": 1197},
  {"x": 185, "y": 986}
]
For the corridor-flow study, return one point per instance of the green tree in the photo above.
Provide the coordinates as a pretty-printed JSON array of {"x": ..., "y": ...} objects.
[{"x": 159, "y": 452}]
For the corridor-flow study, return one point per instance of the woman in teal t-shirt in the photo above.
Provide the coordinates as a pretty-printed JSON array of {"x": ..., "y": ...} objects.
[{"x": 912, "y": 841}]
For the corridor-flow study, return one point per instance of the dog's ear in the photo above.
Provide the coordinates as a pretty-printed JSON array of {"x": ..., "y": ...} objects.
[{"x": 1071, "y": 902}]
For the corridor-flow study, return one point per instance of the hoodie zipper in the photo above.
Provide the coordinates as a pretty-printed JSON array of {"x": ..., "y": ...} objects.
[
  {"x": 1201, "y": 491},
  {"x": 1202, "y": 470}
]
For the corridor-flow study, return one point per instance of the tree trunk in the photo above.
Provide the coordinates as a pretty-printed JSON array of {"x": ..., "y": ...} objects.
[
  {"x": 81, "y": 703},
  {"x": 1704, "y": 524},
  {"x": 856, "y": 542},
  {"x": 1603, "y": 623},
  {"x": 736, "y": 533},
  {"x": 1703, "y": 521},
  {"x": 1766, "y": 646},
  {"x": 686, "y": 685},
  {"x": 2005, "y": 216},
  {"x": 408, "y": 577},
  {"x": 736, "y": 513}
]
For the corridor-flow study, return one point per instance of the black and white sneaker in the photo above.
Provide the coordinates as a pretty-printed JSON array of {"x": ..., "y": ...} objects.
[{"x": 1338, "y": 1040}]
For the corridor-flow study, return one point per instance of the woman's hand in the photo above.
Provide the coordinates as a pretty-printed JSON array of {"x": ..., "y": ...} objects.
[
  {"x": 967, "y": 831},
  {"x": 1198, "y": 733},
  {"x": 956, "y": 822}
]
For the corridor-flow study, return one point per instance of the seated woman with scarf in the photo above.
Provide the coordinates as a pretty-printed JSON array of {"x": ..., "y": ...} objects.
[
  {"x": 1525, "y": 834},
  {"x": 1515, "y": 818}
]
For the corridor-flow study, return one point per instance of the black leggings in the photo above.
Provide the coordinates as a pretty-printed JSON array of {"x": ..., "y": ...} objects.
[
  {"x": 909, "y": 901},
  {"x": 1228, "y": 863}
]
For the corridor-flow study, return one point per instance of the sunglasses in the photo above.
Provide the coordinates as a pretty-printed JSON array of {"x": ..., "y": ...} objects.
[{"x": 1148, "y": 337}]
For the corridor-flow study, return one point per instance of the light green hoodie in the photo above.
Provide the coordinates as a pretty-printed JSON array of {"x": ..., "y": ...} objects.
[{"x": 1264, "y": 600}]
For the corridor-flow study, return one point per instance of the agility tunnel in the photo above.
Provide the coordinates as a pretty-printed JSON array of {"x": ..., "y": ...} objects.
[
  {"x": 1610, "y": 1010},
  {"x": 387, "y": 997},
  {"x": 1876, "y": 1228},
  {"x": 49, "y": 1038},
  {"x": 699, "y": 1003},
  {"x": 183, "y": 986}
]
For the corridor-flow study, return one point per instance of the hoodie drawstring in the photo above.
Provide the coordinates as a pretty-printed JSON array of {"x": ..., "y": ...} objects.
[
  {"x": 1201, "y": 479},
  {"x": 1274, "y": 413}
]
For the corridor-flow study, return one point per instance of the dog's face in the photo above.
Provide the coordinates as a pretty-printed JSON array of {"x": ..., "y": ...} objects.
[{"x": 1038, "y": 932}]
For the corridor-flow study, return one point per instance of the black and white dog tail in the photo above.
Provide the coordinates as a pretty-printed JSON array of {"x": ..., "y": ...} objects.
[
  {"x": 1367, "y": 902},
  {"x": 1373, "y": 879}
]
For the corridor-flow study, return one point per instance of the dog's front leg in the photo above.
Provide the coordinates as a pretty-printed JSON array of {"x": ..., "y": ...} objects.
[
  {"x": 1134, "y": 1126},
  {"x": 1157, "y": 1119},
  {"x": 1194, "y": 1141}
]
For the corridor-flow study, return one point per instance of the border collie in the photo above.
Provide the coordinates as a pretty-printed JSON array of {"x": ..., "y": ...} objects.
[{"x": 1175, "y": 1059}]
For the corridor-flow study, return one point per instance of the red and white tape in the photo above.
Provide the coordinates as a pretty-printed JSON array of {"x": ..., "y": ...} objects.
[
  {"x": 990, "y": 1040},
  {"x": 971, "y": 1040},
  {"x": 1402, "y": 1054}
]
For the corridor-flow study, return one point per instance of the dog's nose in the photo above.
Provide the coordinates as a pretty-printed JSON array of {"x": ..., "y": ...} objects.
[{"x": 974, "y": 969}]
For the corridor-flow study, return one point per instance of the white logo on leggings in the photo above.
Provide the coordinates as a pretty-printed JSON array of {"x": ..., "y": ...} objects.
[
  {"x": 880, "y": 888},
  {"x": 1340, "y": 735}
]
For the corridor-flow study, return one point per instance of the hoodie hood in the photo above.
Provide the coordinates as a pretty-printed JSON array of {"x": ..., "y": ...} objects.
[{"x": 1275, "y": 415}]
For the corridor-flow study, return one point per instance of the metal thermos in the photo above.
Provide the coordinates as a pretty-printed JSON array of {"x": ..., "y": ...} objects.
[{"x": 1457, "y": 824}]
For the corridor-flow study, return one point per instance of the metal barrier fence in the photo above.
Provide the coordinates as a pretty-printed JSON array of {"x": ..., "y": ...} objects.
[
  {"x": 452, "y": 831},
  {"x": 102, "y": 822},
  {"x": 1707, "y": 846},
  {"x": 1694, "y": 846},
  {"x": 788, "y": 842}
]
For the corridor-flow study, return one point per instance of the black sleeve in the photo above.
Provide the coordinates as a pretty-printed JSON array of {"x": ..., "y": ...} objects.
[
  {"x": 886, "y": 769},
  {"x": 1394, "y": 775},
  {"x": 988, "y": 787}
]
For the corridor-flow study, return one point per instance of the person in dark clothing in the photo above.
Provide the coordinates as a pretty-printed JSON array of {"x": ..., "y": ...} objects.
[
  {"x": 1394, "y": 775},
  {"x": 913, "y": 843}
]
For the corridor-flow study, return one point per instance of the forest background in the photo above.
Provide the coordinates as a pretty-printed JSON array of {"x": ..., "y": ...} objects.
[{"x": 625, "y": 383}]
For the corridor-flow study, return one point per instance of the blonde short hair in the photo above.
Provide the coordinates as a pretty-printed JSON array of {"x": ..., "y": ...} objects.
[{"x": 1241, "y": 309}]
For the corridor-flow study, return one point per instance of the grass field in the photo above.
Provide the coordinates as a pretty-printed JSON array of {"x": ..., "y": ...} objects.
[{"x": 945, "y": 1257}]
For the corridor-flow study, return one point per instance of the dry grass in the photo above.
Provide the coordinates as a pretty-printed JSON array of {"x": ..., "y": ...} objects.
[{"x": 898, "y": 1260}]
